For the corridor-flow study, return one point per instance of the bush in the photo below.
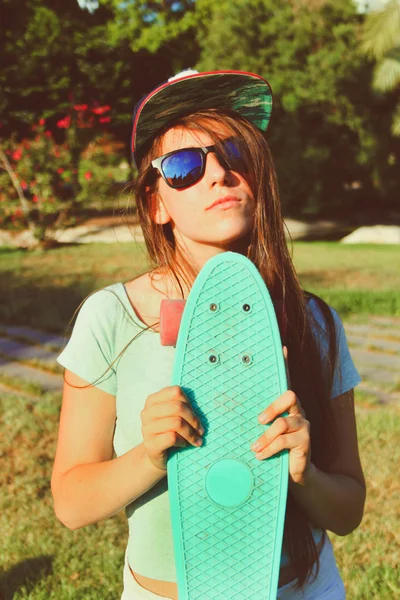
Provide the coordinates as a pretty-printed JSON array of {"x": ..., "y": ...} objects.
[{"x": 44, "y": 182}]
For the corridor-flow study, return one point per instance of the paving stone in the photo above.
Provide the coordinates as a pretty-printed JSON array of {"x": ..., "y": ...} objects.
[
  {"x": 48, "y": 381},
  {"x": 377, "y": 375},
  {"x": 35, "y": 335},
  {"x": 388, "y": 362},
  {"x": 373, "y": 331},
  {"x": 22, "y": 351},
  {"x": 365, "y": 341},
  {"x": 380, "y": 395},
  {"x": 4, "y": 389}
]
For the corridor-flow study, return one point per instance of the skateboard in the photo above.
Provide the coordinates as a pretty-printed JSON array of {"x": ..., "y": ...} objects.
[{"x": 227, "y": 507}]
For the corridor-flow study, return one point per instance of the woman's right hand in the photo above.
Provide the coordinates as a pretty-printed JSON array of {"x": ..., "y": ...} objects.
[{"x": 168, "y": 420}]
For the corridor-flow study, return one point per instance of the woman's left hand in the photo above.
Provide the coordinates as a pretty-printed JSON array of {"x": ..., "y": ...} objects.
[{"x": 291, "y": 432}]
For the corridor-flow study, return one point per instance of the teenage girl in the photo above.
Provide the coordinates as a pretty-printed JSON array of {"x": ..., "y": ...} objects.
[{"x": 206, "y": 184}]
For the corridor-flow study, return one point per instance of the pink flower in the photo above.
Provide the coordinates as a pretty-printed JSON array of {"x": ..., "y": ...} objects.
[
  {"x": 105, "y": 119},
  {"x": 16, "y": 155},
  {"x": 88, "y": 175},
  {"x": 64, "y": 123},
  {"x": 100, "y": 110},
  {"x": 81, "y": 107},
  {"x": 42, "y": 121}
]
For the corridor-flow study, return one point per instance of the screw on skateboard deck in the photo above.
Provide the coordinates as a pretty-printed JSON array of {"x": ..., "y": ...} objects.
[{"x": 227, "y": 507}]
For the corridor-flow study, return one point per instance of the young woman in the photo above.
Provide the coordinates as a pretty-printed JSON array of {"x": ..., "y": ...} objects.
[{"x": 206, "y": 184}]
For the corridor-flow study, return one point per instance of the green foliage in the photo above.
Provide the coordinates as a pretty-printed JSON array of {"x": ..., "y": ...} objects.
[
  {"x": 42, "y": 181},
  {"x": 330, "y": 133},
  {"x": 382, "y": 41},
  {"x": 324, "y": 132}
]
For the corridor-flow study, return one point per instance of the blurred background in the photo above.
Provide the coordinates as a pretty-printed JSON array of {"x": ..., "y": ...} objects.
[{"x": 70, "y": 74}]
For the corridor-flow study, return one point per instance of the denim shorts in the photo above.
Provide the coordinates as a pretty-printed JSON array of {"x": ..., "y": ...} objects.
[{"x": 327, "y": 586}]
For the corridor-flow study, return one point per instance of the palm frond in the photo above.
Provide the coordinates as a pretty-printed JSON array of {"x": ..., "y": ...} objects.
[
  {"x": 382, "y": 30},
  {"x": 387, "y": 75},
  {"x": 396, "y": 121}
]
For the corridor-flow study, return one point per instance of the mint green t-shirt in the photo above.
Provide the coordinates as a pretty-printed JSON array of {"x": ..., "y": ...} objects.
[{"x": 105, "y": 325}]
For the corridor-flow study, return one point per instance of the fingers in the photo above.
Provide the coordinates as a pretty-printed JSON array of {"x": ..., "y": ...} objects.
[
  {"x": 178, "y": 406},
  {"x": 168, "y": 420},
  {"x": 286, "y": 357},
  {"x": 285, "y": 433},
  {"x": 176, "y": 426},
  {"x": 287, "y": 402}
]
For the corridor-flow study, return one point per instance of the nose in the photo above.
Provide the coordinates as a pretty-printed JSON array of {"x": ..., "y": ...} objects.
[{"x": 216, "y": 172}]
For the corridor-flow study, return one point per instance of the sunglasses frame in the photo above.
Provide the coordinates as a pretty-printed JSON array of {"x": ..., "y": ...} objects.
[{"x": 203, "y": 150}]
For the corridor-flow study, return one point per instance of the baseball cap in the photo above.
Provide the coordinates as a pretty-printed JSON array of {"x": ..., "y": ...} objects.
[{"x": 189, "y": 91}]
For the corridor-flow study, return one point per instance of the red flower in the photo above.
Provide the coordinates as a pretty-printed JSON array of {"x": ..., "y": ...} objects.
[
  {"x": 81, "y": 107},
  {"x": 64, "y": 123},
  {"x": 35, "y": 199},
  {"x": 24, "y": 185},
  {"x": 17, "y": 154},
  {"x": 18, "y": 212},
  {"x": 60, "y": 170},
  {"x": 56, "y": 153},
  {"x": 105, "y": 119},
  {"x": 100, "y": 110},
  {"x": 42, "y": 121},
  {"x": 47, "y": 133},
  {"x": 88, "y": 175}
]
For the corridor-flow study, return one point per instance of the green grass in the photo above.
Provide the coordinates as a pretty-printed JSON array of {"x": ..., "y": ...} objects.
[
  {"x": 43, "y": 288},
  {"x": 43, "y": 560},
  {"x": 360, "y": 279}
]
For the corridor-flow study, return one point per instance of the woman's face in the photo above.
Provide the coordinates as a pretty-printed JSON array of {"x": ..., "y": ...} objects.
[{"x": 199, "y": 225}]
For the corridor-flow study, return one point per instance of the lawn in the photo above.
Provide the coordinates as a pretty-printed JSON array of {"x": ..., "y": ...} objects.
[
  {"x": 43, "y": 560},
  {"x": 43, "y": 289}
]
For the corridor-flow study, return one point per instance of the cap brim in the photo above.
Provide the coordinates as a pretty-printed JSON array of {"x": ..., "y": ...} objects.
[{"x": 246, "y": 93}]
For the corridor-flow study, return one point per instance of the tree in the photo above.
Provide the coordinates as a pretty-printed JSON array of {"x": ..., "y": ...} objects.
[
  {"x": 382, "y": 42},
  {"x": 327, "y": 129}
]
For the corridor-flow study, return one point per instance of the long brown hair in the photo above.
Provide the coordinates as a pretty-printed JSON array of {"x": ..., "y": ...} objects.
[{"x": 311, "y": 376}]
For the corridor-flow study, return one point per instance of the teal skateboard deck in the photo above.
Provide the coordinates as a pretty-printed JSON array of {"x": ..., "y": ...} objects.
[{"x": 227, "y": 507}]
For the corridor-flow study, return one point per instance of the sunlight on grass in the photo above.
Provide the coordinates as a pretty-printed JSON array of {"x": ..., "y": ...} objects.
[
  {"x": 44, "y": 560},
  {"x": 43, "y": 289}
]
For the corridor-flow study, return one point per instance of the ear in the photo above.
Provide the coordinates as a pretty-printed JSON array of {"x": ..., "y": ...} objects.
[{"x": 158, "y": 212}]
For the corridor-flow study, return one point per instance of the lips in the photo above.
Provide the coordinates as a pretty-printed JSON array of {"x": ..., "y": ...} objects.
[{"x": 224, "y": 200}]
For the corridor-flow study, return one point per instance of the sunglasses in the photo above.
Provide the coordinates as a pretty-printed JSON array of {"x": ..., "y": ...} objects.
[{"x": 183, "y": 168}]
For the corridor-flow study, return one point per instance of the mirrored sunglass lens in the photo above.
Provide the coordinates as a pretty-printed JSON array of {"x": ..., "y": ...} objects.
[
  {"x": 183, "y": 168},
  {"x": 232, "y": 151}
]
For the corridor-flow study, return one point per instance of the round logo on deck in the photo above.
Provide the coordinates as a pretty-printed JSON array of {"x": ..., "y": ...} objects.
[{"x": 229, "y": 482}]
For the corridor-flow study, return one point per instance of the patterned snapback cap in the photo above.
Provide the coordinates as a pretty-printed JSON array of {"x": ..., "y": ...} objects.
[{"x": 246, "y": 93}]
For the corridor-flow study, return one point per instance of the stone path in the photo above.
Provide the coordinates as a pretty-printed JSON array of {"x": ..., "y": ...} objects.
[{"x": 375, "y": 348}]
